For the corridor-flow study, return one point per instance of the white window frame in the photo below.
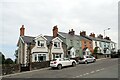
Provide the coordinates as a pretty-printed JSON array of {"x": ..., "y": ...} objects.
[
  {"x": 40, "y": 43},
  {"x": 43, "y": 55},
  {"x": 35, "y": 57},
  {"x": 57, "y": 44}
]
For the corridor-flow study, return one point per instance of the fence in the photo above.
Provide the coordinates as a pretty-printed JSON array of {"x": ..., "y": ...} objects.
[{"x": 39, "y": 65}]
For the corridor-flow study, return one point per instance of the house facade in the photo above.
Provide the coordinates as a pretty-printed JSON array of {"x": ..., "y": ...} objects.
[
  {"x": 87, "y": 44},
  {"x": 97, "y": 43},
  {"x": 60, "y": 45},
  {"x": 57, "y": 49},
  {"x": 72, "y": 41},
  {"x": 38, "y": 49},
  {"x": 102, "y": 45},
  {"x": 23, "y": 45}
]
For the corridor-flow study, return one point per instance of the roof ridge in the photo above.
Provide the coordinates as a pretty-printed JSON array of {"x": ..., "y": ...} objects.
[
  {"x": 48, "y": 36},
  {"x": 27, "y": 36}
]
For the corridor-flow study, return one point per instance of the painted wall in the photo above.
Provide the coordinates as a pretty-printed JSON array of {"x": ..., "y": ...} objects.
[
  {"x": 76, "y": 44},
  {"x": 21, "y": 52},
  {"x": 90, "y": 46},
  {"x": 40, "y": 49},
  {"x": 57, "y": 50}
]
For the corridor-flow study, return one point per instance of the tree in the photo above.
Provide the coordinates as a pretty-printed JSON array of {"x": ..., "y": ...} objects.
[
  {"x": 95, "y": 52},
  {"x": 2, "y": 58},
  {"x": 9, "y": 61},
  {"x": 16, "y": 56}
]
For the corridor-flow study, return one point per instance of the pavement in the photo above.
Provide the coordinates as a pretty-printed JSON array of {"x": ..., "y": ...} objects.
[{"x": 102, "y": 68}]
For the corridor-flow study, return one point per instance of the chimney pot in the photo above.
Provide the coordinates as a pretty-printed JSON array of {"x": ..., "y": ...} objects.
[
  {"x": 55, "y": 31},
  {"x": 22, "y": 30},
  {"x": 83, "y": 33},
  {"x": 72, "y": 32}
]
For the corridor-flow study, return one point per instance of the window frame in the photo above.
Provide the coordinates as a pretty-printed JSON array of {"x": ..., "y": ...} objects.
[
  {"x": 57, "y": 44},
  {"x": 35, "y": 57},
  {"x": 90, "y": 44},
  {"x": 41, "y": 43},
  {"x": 41, "y": 57},
  {"x": 85, "y": 43}
]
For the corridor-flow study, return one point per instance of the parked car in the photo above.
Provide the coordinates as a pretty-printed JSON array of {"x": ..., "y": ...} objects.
[
  {"x": 62, "y": 62},
  {"x": 87, "y": 59}
]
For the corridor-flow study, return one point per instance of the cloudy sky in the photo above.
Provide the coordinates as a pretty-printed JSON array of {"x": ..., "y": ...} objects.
[{"x": 39, "y": 17}]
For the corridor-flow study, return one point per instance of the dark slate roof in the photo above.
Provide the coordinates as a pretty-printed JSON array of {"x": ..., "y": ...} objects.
[
  {"x": 70, "y": 48},
  {"x": 28, "y": 39},
  {"x": 86, "y": 38},
  {"x": 98, "y": 39},
  {"x": 49, "y": 39},
  {"x": 77, "y": 37},
  {"x": 68, "y": 36}
]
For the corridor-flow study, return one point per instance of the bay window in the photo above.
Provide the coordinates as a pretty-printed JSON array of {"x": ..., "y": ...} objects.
[{"x": 41, "y": 57}]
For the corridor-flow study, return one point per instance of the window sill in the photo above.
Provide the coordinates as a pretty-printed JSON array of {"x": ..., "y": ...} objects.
[
  {"x": 40, "y": 47},
  {"x": 57, "y": 48}
]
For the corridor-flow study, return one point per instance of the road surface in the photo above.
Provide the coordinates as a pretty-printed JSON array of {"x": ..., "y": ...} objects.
[{"x": 105, "y": 68}]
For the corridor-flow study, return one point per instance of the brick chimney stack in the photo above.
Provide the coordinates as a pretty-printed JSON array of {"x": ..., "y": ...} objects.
[
  {"x": 92, "y": 35},
  {"x": 22, "y": 31},
  {"x": 100, "y": 36},
  {"x": 55, "y": 31},
  {"x": 107, "y": 38},
  {"x": 72, "y": 32},
  {"x": 83, "y": 33}
]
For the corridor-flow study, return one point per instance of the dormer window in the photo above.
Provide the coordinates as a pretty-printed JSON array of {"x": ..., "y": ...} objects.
[
  {"x": 90, "y": 44},
  {"x": 56, "y": 44},
  {"x": 40, "y": 43},
  {"x": 71, "y": 41},
  {"x": 85, "y": 43}
]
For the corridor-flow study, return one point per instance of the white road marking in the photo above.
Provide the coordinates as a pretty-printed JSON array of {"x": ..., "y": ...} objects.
[
  {"x": 102, "y": 69},
  {"x": 92, "y": 71},
  {"x": 85, "y": 74},
  {"x": 89, "y": 73},
  {"x": 77, "y": 76},
  {"x": 97, "y": 70}
]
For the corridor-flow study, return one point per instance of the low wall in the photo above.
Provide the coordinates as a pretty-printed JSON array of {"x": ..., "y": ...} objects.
[
  {"x": 100, "y": 56},
  {"x": 39, "y": 65}
]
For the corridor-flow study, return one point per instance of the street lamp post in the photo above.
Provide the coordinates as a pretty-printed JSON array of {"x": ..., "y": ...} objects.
[
  {"x": 104, "y": 37},
  {"x": 105, "y": 30}
]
